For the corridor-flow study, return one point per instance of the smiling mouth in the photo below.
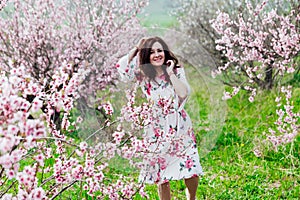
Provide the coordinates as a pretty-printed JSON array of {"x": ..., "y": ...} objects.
[{"x": 157, "y": 59}]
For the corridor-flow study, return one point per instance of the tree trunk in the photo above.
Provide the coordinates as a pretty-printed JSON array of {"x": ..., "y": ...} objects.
[{"x": 268, "y": 82}]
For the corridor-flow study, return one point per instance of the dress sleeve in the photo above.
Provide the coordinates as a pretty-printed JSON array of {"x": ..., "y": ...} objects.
[
  {"x": 127, "y": 70},
  {"x": 181, "y": 76}
]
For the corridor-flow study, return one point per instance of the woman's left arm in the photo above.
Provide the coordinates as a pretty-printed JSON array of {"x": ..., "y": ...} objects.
[{"x": 178, "y": 81}]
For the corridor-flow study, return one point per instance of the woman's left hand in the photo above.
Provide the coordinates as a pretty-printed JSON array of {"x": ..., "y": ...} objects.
[
  {"x": 170, "y": 67},
  {"x": 180, "y": 88}
]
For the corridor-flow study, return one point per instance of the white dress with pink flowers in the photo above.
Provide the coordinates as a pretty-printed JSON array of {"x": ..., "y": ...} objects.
[{"x": 173, "y": 154}]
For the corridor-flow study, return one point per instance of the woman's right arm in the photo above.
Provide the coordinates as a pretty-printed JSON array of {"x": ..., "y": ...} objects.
[{"x": 127, "y": 66}]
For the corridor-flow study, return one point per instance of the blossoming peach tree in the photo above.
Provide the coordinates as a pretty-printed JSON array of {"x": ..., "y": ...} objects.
[
  {"x": 2, "y": 4},
  {"x": 53, "y": 54},
  {"x": 261, "y": 47}
]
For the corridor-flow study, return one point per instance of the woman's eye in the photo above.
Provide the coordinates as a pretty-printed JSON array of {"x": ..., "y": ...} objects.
[{"x": 159, "y": 50}]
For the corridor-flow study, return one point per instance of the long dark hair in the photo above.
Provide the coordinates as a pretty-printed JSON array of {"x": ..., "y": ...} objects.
[{"x": 144, "y": 59}]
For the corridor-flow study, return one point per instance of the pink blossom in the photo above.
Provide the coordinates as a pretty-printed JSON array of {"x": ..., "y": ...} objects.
[
  {"x": 108, "y": 108},
  {"x": 226, "y": 96},
  {"x": 79, "y": 120},
  {"x": 10, "y": 174},
  {"x": 36, "y": 105},
  {"x": 7, "y": 197},
  {"x": 286, "y": 123},
  {"x": 40, "y": 159},
  {"x": 278, "y": 99},
  {"x": 83, "y": 146},
  {"x": 118, "y": 136},
  {"x": 257, "y": 153},
  {"x": 251, "y": 99},
  {"x": 38, "y": 194}
]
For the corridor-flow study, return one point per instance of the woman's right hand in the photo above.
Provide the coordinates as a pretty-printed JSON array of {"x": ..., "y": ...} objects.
[
  {"x": 137, "y": 48},
  {"x": 141, "y": 42}
]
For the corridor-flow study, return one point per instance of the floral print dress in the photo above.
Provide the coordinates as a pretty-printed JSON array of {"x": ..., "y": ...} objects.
[{"x": 173, "y": 154}]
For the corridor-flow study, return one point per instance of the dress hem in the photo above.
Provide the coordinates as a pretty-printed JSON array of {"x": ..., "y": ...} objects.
[{"x": 175, "y": 179}]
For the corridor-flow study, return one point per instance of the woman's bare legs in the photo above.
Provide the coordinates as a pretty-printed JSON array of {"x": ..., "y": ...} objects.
[
  {"x": 164, "y": 191},
  {"x": 192, "y": 184}
]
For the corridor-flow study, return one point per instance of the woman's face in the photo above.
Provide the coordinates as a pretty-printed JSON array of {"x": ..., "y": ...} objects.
[{"x": 157, "y": 55}]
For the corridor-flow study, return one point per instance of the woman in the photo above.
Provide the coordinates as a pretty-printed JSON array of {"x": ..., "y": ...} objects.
[{"x": 172, "y": 151}]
